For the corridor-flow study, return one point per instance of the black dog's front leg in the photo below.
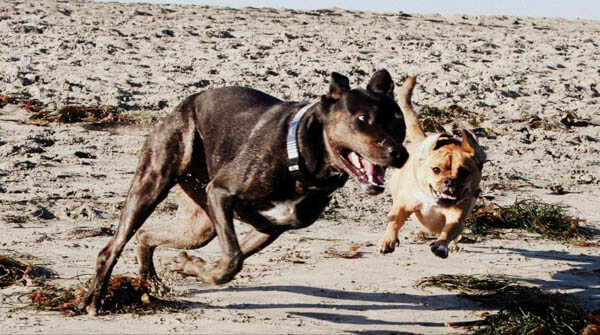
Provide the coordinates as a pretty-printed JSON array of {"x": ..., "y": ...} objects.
[
  {"x": 252, "y": 243},
  {"x": 220, "y": 205}
]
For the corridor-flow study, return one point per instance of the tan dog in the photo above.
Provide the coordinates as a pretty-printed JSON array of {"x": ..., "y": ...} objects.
[{"x": 439, "y": 183}]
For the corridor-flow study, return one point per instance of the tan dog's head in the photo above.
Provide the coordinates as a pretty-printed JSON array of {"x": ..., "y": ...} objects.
[{"x": 449, "y": 170}]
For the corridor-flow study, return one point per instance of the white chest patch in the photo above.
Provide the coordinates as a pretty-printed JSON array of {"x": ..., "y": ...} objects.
[
  {"x": 429, "y": 214},
  {"x": 283, "y": 212},
  {"x": 426, "y": 203}
]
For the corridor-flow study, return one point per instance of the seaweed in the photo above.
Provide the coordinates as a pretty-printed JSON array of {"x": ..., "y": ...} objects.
[
  {"x": 449, "y": 119},
  {"x": 124, "y": 295},
  {"x": 524, "y": 309},
  {"x": 433, "y": 118},
  {"x": 533, "y": 215},
  {"x": 41, "y": 114},
  {"x": 73, "y": 114},
  {"x": 14, "y": 271}
]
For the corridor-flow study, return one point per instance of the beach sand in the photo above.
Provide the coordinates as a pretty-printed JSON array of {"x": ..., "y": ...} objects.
[{"x": 529, "y": 85}]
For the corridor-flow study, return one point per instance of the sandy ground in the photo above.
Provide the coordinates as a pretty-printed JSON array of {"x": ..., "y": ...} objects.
[{"x": 517, "y": 78}]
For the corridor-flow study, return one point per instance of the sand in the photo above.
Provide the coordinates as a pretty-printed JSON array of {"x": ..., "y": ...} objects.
[{"x": 528, "y": 84}]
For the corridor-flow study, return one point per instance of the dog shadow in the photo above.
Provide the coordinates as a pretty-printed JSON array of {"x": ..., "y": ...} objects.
[
  {"x": 377, "y": 302},
  {"x": 584, "y": 275}
]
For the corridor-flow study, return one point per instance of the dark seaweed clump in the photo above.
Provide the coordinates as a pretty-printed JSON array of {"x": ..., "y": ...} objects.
[
  {"x": 549, "y": 220},
  {"x": 523, "y": 309},
  {"x": 124, "y": 295},
  {"x": 14, "y": 270}
]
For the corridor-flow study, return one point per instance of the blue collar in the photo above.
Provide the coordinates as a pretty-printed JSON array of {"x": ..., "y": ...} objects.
[
  {"x": 292, "y": 142},
  {"x": 308, "y": 182}
]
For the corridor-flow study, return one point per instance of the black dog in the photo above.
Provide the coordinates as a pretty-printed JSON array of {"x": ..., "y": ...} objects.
[{"x": 240, "y": 153}]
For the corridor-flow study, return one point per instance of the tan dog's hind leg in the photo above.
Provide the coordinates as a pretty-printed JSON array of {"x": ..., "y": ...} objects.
[
  {"x": 191, "y": 229},
  {"x": 396, "y": 219}
]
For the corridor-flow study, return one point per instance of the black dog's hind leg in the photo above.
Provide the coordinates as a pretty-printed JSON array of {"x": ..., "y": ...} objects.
[
  {"x": 162, "y": 159},
  {"x": 191, "y": 229}
]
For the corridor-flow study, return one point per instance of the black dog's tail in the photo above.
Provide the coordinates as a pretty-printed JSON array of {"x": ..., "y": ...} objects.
[{"x": 414, "y": 131}]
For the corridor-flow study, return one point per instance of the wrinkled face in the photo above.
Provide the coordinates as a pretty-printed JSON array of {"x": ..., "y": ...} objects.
[
  {"x": 449, "y": 174},
  {"x": 364, "y": 132}
]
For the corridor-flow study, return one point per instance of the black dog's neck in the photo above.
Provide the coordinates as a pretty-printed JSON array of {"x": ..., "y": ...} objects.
[{"x": 316, "y": 167}]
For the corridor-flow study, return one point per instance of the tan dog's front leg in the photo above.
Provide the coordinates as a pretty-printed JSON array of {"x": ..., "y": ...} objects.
[
  {"x": 396, "y": 219},
  {"x": 450, "y": 232}
]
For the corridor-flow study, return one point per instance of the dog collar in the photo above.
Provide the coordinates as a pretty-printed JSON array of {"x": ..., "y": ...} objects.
[{"x": 292, "y": 143}]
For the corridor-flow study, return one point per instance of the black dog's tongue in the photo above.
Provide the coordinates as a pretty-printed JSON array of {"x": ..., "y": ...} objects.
[
  {"x": 375, "y": 173},
  {"x": 379, "y": 174}
]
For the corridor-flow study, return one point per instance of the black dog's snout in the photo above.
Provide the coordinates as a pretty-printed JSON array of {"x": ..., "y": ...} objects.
[
  {"x": 450, "y": 182},
  {"x": 399, "y": 157}
]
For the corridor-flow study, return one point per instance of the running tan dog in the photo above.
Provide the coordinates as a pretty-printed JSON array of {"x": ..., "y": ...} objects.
[{"x": 439, "y": 182}]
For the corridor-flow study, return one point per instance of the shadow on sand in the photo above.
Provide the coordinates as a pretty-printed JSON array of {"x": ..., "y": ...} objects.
[
  {"x": 582, "y": 276},
  {"x": 380, "y": 302}
]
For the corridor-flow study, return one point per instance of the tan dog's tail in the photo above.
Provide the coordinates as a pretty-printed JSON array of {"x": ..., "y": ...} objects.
[{"x": 414, "y": 132}]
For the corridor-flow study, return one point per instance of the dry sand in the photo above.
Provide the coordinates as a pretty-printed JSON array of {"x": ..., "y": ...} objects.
[{"x": 518, "y": 77}]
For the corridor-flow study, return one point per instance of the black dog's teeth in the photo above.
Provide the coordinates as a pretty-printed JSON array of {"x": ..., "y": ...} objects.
[{"x": 366, "y": 171}]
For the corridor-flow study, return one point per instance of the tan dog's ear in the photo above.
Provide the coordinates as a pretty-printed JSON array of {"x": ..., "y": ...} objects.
[
  {"x": 469, "y": 144},
  {"x": 428, "y": 145}
]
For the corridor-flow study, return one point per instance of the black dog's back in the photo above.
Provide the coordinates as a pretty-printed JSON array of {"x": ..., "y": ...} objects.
[{"x": 226, "y": 124}]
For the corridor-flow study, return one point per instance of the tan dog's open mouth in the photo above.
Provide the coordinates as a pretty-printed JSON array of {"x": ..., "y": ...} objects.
[
  {"x": 446, "y": 197},
  {"x": 367, "y": 172}
]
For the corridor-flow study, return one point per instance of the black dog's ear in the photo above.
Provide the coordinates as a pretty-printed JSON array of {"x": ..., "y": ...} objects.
[
  {"x": 381, "y": 82},
  {"x": 337, "y": 85}
]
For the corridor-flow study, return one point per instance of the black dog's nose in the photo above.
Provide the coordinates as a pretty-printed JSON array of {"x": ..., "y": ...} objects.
[
  {"x": 450, "y": 182},
  {"x": 399, "y": 157}
]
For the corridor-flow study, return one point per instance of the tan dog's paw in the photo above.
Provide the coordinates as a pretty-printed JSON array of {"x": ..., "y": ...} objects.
[
  {"x": 454, "y": 247},
  {"x": 439, "y": 248},
  {"x": 387, "y": 245}
]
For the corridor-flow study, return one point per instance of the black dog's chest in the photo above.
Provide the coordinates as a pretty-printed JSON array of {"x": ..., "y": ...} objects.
[
  {"x": 283, "y": 212},
  {"x": 287, "y": 214}
]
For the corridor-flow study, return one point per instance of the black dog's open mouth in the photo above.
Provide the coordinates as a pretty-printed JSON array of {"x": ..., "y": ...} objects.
[
  {"x": 367, "y": 172},
  {"x": 444, "y": 197}
]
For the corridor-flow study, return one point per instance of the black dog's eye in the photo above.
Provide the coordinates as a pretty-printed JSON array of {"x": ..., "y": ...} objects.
[
  {"x": 436, "y": 170},
  {"x": 364, "y": 118}
]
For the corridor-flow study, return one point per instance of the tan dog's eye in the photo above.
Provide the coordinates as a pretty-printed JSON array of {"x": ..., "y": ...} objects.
[
  {"x": 363, "y": 118},
  {"x": 436, "y": 170}
]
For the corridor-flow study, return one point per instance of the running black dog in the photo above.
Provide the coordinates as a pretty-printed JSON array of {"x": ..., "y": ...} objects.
[{"x": 240, "y": 153}]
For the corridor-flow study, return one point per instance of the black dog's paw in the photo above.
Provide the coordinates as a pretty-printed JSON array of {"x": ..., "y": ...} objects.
[{"x": 439, "y": 249}]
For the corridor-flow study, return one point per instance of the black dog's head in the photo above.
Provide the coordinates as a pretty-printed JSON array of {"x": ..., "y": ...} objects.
[{"x": 364, "y": 129}]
